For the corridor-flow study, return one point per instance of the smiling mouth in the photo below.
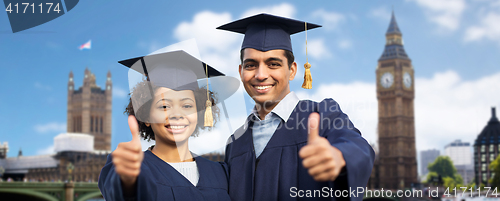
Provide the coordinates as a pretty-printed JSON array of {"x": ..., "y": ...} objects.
[
  {"x": 262, "y": 87},
  {"x": 175, "y": 127}
]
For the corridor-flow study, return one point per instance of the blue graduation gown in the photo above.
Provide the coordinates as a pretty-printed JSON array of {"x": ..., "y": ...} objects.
[
  {"x": 278, "y": 173},
  {"x": 160, "y": 181}
]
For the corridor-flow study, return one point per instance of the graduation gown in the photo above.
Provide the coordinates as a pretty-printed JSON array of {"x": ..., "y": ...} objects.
[
  {"x": 278, "y": 172},
  {"x": 160, "y": 181}
]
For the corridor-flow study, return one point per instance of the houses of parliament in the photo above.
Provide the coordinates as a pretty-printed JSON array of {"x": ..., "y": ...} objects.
[{"x": 81, "y": 152}]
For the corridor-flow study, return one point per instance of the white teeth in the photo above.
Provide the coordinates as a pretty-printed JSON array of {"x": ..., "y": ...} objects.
[
  {"x": 263, "y": 87},
  {"x": 177, "y": 127}
]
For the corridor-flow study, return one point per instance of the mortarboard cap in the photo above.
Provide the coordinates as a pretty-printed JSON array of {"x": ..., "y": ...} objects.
[
  {"x": 176, "y": 70},
  {"x": 266, "y": 32}
]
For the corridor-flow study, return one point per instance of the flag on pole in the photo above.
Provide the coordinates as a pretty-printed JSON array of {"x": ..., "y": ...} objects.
[{"x": 85, "y": 46}]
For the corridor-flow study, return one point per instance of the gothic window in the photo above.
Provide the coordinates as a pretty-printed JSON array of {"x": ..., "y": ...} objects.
[
  {"x": 483, "y": 157},
  {"x": 91, "y": 124},
  {"x": 491, "y": 148},
  {"x": 74, "y": 124},
  {"x": 485, "y": 177},
  {"x": 483, "y": 167},
  {"x": 492, "y": 157},
  {"x": 101, "y": 124},
  {"x": 483, "y": 147}
]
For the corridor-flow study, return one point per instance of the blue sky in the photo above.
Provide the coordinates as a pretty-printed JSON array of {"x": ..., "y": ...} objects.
[{"x": 454, "y": 47}]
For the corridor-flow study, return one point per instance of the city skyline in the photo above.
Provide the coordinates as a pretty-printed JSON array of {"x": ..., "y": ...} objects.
[{"x": 452, "y": 49}]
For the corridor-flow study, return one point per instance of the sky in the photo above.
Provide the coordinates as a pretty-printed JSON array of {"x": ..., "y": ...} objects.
[{"x": 454, "y": 46}]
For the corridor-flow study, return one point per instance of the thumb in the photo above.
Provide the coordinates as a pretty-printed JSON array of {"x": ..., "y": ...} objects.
[
  {"x": 313, "y": 127},
  {"x": 134, "y": 128}
]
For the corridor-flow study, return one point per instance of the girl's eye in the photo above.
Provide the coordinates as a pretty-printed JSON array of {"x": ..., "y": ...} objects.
[
  {"x": 188, "y": 106},
  {"x": 164, "y": 107}
]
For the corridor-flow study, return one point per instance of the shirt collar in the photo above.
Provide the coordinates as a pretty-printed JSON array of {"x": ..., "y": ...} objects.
[{"x": 284, "y": 108}]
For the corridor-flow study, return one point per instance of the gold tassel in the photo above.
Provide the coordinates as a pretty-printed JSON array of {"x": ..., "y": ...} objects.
[
  {"x": 307, "y": 77},
  {"x": 209, "y": 119},
  {"x": 307, "y": 74}
]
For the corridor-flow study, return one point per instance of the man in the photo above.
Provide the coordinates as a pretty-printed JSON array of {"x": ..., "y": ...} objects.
[{"x": 289, "y": 149}]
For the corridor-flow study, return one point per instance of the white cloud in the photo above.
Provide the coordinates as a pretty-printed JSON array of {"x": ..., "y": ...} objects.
[
  {"x": 317, "y": 49},
  {"x": 382, "y": 13},
  {"x": 446, "y": 107},
  {"x": 283, "y": 10},
  {"x": 330, "y": 20},
  {"x": 41, "y": 86},
  {"x": 119, "y": 92},
  {"x": 345, "y": 44},
  {"x": 218, "y": 48},
  {"x": 488, "y": 28},
  {"x": 449, "y": 108},
  {"x": 202, "y": 27},
  {"x": 445, "y": 13},
  {"x": 46, "y": 150},
  {"x": 54, "y": 127}
]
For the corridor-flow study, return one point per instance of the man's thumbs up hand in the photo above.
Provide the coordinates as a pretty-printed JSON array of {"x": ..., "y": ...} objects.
[
  {"x": 323, "y": 160},
  {"x": 128, "y": 156}
]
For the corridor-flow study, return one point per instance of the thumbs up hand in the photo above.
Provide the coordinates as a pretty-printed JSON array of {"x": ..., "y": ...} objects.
[
  {"x": 323, "y": 160},
  {"x": 128, "y": 156}
]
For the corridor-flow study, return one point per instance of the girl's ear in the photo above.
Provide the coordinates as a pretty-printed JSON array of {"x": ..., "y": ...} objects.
[{"x": 147, "y": 124}]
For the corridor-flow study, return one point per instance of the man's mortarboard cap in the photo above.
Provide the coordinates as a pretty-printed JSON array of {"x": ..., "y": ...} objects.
[{"x": 266, "y": 32}]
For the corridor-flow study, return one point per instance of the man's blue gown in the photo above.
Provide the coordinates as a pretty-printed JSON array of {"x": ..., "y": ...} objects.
[{"x": 278, "y": 172}]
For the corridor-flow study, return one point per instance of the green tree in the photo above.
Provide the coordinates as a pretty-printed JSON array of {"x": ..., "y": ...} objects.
[
  {"x": 443, "y": 166},
  {"x": 495, "y": 170}
]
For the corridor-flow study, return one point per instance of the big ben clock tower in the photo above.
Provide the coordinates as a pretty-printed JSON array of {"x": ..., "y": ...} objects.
[{"x": 396, "y": 122}]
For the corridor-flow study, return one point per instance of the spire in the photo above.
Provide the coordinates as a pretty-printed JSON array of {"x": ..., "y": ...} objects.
[
  {"x": 393, "y": 26},
  {"x": 394, "y": 42},
  {"x": 493, "y": 115}
]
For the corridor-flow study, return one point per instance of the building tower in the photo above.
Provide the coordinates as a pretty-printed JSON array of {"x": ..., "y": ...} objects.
[
  {"x": 486, "y": 149},
  {"x": 427, "y": 157},
  {"x": 396, "y": 123},
  {"x": 89, "y": 110}
]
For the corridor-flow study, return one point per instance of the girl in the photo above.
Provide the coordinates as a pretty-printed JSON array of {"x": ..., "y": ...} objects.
[{"x": 169, "y": 107}]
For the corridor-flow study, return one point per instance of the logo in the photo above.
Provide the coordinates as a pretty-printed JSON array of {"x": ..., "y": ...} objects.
[{"x": 26, "y": 14}]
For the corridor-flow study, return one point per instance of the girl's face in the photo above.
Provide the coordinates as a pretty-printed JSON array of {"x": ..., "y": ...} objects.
[{"x": 173, "y": 115}]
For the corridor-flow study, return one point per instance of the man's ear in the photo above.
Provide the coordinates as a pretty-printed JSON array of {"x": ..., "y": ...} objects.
[{"x": 293, "y": 71}]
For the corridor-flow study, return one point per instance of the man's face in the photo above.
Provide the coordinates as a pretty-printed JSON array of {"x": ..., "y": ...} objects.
[{"x": 266, "y": 75}]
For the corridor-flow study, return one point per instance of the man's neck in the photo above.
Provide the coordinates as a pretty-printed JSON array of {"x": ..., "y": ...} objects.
[{"x": 264, "y": 109}]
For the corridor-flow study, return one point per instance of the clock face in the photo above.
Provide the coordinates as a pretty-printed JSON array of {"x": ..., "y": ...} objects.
[
  {"x": 407, "y": 80},
  {"x": 386, "y": 80}
]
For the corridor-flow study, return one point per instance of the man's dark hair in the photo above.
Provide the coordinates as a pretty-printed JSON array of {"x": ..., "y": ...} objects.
[
  {"x": 146, "y": 132},
  {"x": 288, "y": 54}
]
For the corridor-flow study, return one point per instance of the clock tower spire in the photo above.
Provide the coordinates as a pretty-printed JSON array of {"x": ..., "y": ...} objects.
[{"x": 397, "y": 163}]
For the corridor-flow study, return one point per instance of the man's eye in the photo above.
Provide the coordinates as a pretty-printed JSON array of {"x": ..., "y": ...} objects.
[
  {"x": 275, "y": 64},
  {"x": 249, "y": 65}
]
